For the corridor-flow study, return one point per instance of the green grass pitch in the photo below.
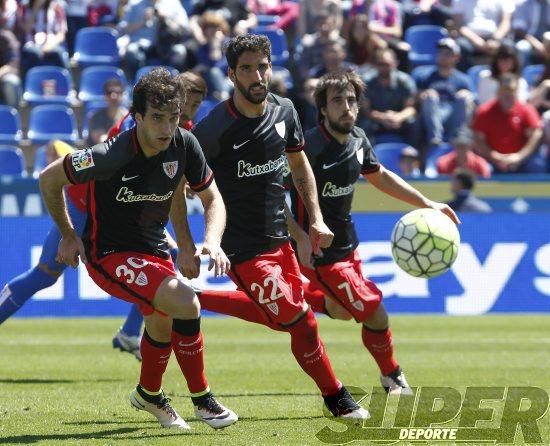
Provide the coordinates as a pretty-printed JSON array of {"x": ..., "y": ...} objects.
[{"x": 61, "y": 383}]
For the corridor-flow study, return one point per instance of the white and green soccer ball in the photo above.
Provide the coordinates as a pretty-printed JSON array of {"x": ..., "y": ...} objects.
[{"x": 424, "y": 243}]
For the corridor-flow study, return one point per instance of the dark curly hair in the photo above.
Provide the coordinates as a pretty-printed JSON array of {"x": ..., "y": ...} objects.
[
  {"x": 246, "y": 42},
  {"x": 339, "y": 80},
  {"x": 157, "y": 89}
]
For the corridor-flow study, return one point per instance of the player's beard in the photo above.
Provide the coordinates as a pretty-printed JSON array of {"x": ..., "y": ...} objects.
[
  {"x": 344, "y": 128},
  {"x": 248, "y": 95}
]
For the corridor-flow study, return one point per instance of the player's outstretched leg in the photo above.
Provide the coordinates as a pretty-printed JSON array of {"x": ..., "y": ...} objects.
[
  {"x": 128, "y": 337},
  {"x": 234, "y": 303},
  {"x": 20, "y": 289}
]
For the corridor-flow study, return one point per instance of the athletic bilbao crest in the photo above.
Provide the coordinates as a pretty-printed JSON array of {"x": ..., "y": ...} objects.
[
  {"x": 274, "y": 308},
  {"x": 280, "y": 127},
  {"x": 170, "y": 168},
  {"x": 142, "y": 279}
]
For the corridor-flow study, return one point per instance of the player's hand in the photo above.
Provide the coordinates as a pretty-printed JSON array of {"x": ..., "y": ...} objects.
[
  {"x": 304, "y": 251},
  {"x": 189, "y": 263},
  {"x": 442, "y": 207},
  {"x": 320, "y": 236},
  {"x": 218, "y": 259},
  {"x": 70, "y": 248}
]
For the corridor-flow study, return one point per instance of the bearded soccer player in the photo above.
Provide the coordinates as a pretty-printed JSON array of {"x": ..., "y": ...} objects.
[
  {"x": 136, "y": 182},
  {"x": 247, "y": 140}
]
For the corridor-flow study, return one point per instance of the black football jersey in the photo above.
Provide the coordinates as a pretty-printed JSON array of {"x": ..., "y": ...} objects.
[
  {"x": 248, "y": 158},
  {"x": 130, "y": 195},
  {"x": 336, "y": 168}
]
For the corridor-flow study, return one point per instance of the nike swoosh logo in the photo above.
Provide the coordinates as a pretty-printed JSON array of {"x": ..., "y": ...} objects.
[
  {"x": 125, "y": 178},
  {"x": 328, "y": 166},
  {"x": 183, "y": 344},
  {"x": 238, "y": 146}
]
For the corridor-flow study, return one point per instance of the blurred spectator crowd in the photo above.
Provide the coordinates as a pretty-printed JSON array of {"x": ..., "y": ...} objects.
[{"x": 451, "y": 84}]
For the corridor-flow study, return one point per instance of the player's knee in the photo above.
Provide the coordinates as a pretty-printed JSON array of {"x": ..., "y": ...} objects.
[
  {"x": 305, "y": 327},
  {"x": 378, "y": 320},
  {"x": 53, "y": 273},
  {"x": 158, "y": 327},
  {"x": 177, "y": 300},
  {"x": 337, "y": 311}
]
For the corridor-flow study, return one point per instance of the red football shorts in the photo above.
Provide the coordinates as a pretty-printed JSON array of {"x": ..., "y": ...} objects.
[
  {"x": 131, "y": 276},
  {"x": 344, "y": 282},
  {"x": 273, "y": 280}
]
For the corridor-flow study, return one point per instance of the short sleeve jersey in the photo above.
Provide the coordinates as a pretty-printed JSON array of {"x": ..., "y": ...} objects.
[
  {"x": 130, "y": 195},
  {"x": 248, "y": 158},
  {"x": 336, "y": 168}
]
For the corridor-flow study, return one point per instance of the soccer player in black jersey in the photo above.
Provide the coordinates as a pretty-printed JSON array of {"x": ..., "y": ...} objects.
[
  {"x": 339, "y": 152},
  {"x": 136, "y": 182},
  {"x": 246, "y": 141}
]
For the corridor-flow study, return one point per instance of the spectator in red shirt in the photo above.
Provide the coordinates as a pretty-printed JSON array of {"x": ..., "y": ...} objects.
[
  {"x": 463, "y": 157},
  {"x": 508, "y": 132}
]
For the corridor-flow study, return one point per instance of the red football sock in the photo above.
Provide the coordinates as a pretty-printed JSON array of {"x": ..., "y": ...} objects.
[
  {"x": 380, "y": 345},
  {"x": 315, "y": 298},
  {"x": 155, "y": 356},
  {"x": 234, "y": 303},
  {"x": 188, "y": 348},
  {"x": 309, "y": 351}
]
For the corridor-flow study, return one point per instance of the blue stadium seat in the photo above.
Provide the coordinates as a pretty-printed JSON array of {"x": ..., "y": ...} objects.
[
  {"x": 144, "y": 70},
  {"x": 205, "y": 107},
  {"x": 433, "y": 155},
  {"x": 474, "y": 73},
  {"x": 48, "y": 85},
  {"x": 47, "y": 122},
  {"x": 285, "y": 75},
  {"x": 423, "y": 41},
  {"x": 96, "y": 45},
  {"x": 92, "y": 80},
  {"x": 279, "y": 47},
  {"x": 532, "y": 74},
  {"x": 388, "y": 154},
  {"x": 10, "y": 125},
  {"x": 12, "y": 161},
  {"x": 266, "y": 19}
]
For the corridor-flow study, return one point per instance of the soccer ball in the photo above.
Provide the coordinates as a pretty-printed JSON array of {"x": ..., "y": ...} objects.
[{"x": 425, "y": 243}]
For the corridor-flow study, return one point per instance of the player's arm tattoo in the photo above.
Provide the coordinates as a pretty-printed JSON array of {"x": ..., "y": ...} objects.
[
  {"x": 52, "y": 180},
  {"x": 304, "y": 181},
  {"x": 178, "y": 215}
]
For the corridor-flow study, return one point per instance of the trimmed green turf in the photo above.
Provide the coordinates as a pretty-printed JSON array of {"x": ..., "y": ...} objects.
[{"x": 61, "y": 383}]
